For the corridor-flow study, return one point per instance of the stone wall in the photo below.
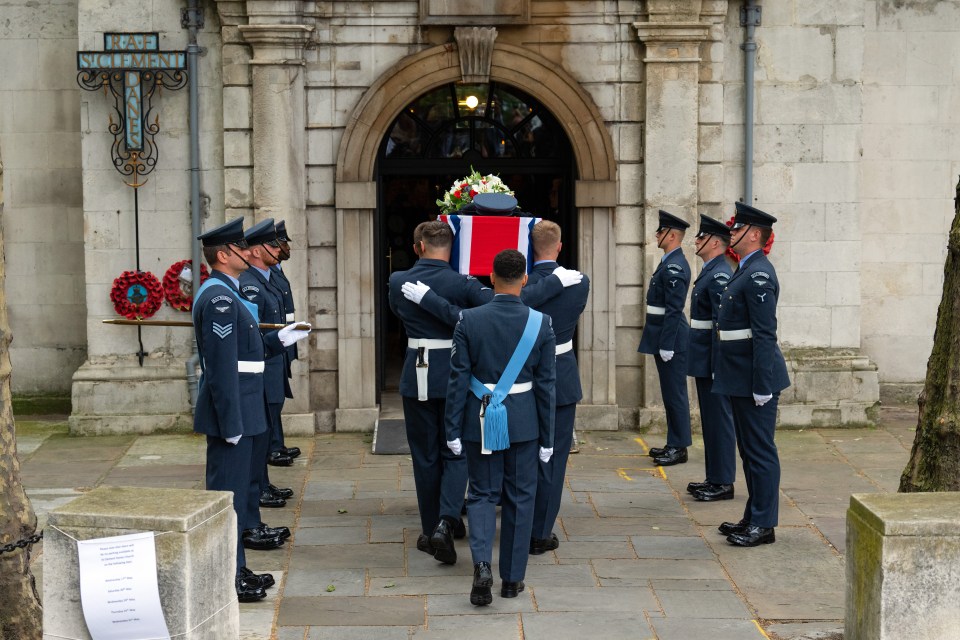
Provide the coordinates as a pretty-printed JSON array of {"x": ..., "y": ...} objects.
[{"x": 40, "y": 123}]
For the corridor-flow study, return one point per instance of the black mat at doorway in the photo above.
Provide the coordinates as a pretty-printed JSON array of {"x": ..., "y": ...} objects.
[{"x": 390, "y": 437}]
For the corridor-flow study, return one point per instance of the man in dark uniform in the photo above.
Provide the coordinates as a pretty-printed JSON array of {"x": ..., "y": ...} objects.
[
  {"x": 256, "y": 286},
  {"x": 751, "y": 370},
  {"x": 564, "y": 310},
  {"x": 716, "y": 417},
  {"x": 665, "y": 337},
  {"x": 231, "y": 405},
  {"x": 505, "y": 352},
  {"x": 281, "y": 282}
]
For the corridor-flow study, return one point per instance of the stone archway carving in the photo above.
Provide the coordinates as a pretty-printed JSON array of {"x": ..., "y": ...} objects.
[{"x": 356, "y": 202}]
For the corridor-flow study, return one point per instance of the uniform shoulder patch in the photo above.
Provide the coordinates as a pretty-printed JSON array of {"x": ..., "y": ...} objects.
[
  {"x": 226, "y": 299},
  {"x": 222, "y": 330},
  {"x": 674, "y": 267},
  {"x": 760, "y": 274},
  {"x": 721, "y": 276},
  {"x": 250, "y": 287}
]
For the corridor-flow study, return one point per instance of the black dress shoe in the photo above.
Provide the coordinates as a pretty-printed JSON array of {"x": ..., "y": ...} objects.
[
  {"x": 693, "y": 487},
  {"x": 423, "y": 544},
  {"x": 257, "y": 539},
  {"x": 293, "y": 452},
  {"x": 280, "y": 493},
  {"x": 510, "y": 589},
  {"x": 279, "y": 459},
  {"x": 249, "y": 593},
  {"x": 752, "y": 536},
  {"x": 671, "y": 456},
  {"x": 539, "y": 546},
  {"x": 442, "y": 543},
  {"x": 251, "y": 579},
  {"x": 459, "y": 529},
  {"x": 271, "y": 501},
  {"x": 715, "y": 492},
  {"x": 656, "y": 452},
  {"x": 726, "y": 528},
  {"x": 482, "y": 581},
  {"x": 281, "y": 532}
]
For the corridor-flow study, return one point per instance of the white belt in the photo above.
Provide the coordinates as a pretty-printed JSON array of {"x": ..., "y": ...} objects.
[
  {"x": 566, "y": 346},
  {"x": 289, "y": 317},
  {"x": 701, "y": 324},
  {"x": 423, "y": 393},
  {"x": 520, "y": 387},
  {"x": 737, "y": 334},
  {"x": 248, "y": 366},
  {"x": 656, "y": 311},
  {"x": 429, "y": 343}
]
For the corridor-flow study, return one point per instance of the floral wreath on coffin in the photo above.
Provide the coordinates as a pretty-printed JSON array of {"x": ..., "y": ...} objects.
[
  {"x": 736, "y": 256},
  {"x": 136, "y": 294},
  {"x": 463, "y": 191},
  {"x": 177, "y": 290}
]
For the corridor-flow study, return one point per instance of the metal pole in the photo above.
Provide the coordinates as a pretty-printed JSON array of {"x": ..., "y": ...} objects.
[
  {"x": 192, "y": 19},
  {"x": 750, "y": 19}
]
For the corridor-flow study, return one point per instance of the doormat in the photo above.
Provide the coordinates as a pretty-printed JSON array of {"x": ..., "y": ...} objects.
[{"x": 390, "y": 437}]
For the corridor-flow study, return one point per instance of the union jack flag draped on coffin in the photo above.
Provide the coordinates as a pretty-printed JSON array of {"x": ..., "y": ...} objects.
[{"x": 477, "y": 239}]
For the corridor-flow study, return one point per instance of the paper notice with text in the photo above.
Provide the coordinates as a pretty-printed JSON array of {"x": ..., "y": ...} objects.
[{"x": 118, "y": 588}]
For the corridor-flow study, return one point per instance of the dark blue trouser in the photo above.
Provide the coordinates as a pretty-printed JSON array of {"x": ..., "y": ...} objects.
[
  {"x": 719, "y": 436},
  {"x": 273, "y": 417},
  {"x": 761, "y": 465},
  {"x": 673, "y": 389},
  {"x": 508, "y": 476},
  {"x": 228, "y": 469},
  {"x": 551, "y": 475},
  {"x": 259, "y": 479},
  {"x": 440, "y": 476},
  {"x": 276, "y": 426}
]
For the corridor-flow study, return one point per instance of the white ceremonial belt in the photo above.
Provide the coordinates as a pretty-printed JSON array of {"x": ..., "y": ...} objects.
[
  {"x": 429, "y": 343},
  {"x": 566, "y": 346},
  {"x": 520, "y": 387},
  {"x": 656, "y": 311},
  {"x": 701, "y": 324},
  {"x": 248, "y": 366},
  {"x": 289, "y": 317},
  {"x": 737, "y": 334}
]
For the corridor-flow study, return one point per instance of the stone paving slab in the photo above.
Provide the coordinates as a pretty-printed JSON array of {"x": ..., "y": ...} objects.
[
  {"x": 563, "y": 598},
  {"x": 352, "y": 611},
  {"x": 708, "y": 629},
  {"x": 579, "y": 626},
  {"x": 471, "y": 628},
  {"x": 702, "y": 604}
]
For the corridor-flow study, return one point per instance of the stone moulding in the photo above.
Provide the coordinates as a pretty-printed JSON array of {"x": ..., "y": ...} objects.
[
  {"x": 475, "y": 46},
  {"x": 474, "y": 12}
]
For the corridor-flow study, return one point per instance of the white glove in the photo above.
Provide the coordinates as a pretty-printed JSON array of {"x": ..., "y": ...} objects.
[
  {"x": 545, "y": 454},
  {"x": 290, "y": 334},
  {"x": 234, "y": 439},
  {"x": 455, "y": 446},
  {"x": 666, "y": 356},
  {"x": 761, "y": 400},
  {"x": 414, "y": 292},
  {"x": 568, "y": 277}
]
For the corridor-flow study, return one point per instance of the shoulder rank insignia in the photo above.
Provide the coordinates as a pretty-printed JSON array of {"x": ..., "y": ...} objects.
[
  {"x": 222, "y": 330},
  {"x": 762, "y": 297}
]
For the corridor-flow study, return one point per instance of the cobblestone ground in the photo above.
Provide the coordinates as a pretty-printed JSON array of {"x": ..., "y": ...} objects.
[{"x": 638, "y": 557}]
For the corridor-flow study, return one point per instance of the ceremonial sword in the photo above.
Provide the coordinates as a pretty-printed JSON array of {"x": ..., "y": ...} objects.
[{"x": 183, "y": 323}]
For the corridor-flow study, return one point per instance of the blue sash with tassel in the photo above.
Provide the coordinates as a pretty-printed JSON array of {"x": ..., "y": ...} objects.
[
  {"x": 214, "y": 282},
  {"x": 496, "y": 435}
]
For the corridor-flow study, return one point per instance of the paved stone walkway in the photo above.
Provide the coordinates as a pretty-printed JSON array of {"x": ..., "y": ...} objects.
[{"x": 638, "y": 558}]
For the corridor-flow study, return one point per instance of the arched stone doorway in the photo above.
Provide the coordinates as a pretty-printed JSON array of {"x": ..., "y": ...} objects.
[{"x": 594, "y": 196}]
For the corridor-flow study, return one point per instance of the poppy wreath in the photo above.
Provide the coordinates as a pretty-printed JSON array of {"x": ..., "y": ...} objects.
[
  {"x": 736, "y": 256},
  {"x": 136, "y": 294},
  {"x": 173, "y": 291}
]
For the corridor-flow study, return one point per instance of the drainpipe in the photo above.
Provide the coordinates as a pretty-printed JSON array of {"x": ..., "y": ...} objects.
[
  {"x": 750, "y": 19},
  {"x": 191, "y": 19}
]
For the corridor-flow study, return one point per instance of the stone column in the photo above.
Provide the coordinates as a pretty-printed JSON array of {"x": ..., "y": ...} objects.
[{"x": 672, "y": 42}]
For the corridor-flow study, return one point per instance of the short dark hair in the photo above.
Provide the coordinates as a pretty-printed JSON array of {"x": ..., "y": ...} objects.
[
  {"x": 418, "y": 232},
  {"x": 764, "y": 235},
  {"x": 437, "y": 234},
  {"x": 210, "y": 254},
  {"x": 510, "y": 265}
]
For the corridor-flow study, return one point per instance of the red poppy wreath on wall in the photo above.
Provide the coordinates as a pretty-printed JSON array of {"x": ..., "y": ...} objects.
[
  {"x": 178, "y": 284},
  {"x": 136, "y": 294}
]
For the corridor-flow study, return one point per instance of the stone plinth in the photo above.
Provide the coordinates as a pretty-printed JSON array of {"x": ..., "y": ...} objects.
[
  {"x": 196, "y": 545},
  {"x": 829, "y": 387},
  {"x": 903, "y": 566}
]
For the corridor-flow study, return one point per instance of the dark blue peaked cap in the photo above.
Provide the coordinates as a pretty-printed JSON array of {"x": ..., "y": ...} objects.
[
  {"x": 498, "y": 204},
  {"x": 282, "y": 231},
  {"x": 229, "y": 233},
  {"x": 670, "y": 221},
  {"x": 709, "y": 226},
  {"x": 261, "y": 233},
  {"x": 752, "y": 216}
]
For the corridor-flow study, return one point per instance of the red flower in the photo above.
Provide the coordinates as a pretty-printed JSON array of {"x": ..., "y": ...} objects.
[
  {"x": 173, "y": 291},
  {"x": 136, "y": 294},
  {"x": 473, "y": 194},
  {"x": 456, "y": 194}
]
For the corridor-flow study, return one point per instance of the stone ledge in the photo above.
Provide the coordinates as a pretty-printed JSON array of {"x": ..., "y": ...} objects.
[
  {"x": 299, "y": 424},
  {"x": 364, "y": 419},
  {"x": 597, "y": 417}
]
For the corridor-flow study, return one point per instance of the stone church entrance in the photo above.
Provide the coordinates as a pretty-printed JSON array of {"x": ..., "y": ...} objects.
[{"x": 436, "y": 140}]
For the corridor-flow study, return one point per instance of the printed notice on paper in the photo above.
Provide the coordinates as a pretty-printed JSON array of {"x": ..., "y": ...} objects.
[{"x": 118, "y": 588}]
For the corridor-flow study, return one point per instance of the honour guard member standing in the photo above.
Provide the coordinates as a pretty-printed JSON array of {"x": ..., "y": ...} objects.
[
  {"x": 719, "y": 439},
  {"x": 500, "y": 411},
  {"x": 564, "y": 310},
  {"x": 256, "y": 287},
  {"x": 231, "y": 405},
  {"x": 751, "y": 370},
  {"x": 665, "y": 337},
  {"x": 281, "y": 282}
]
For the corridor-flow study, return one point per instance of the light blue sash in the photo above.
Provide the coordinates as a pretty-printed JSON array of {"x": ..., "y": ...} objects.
[
  {"x": 496, "y": 435},
  {"x": 213, "y": 282}
]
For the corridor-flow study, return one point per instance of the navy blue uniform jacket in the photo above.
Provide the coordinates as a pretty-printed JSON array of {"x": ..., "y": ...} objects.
[
  {"x": 263, "y": 293},
  {"x": 279, "y": 279},
  {"x": 668, "y": 289},
  {"x": 704, "y": 304},
  {"x": 229, "y": 403},
  {"x": 564, "y": 310},
  {"x": 483, "y": 342},
  {"x": 745, "y": 367}
]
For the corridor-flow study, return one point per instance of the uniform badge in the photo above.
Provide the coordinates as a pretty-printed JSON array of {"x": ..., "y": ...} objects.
[
  {"x": 222, "y": 299},
  {"x": 760, "y": 283},
  {"x": 762, "y": 296},
  {"x": 673, "y": 283},
  {"x": 250, "y": 287},
  {"x": 674, "y": 268},
  {"x": 222, "y": 309},
  {"x": 222, "y": 330}
]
